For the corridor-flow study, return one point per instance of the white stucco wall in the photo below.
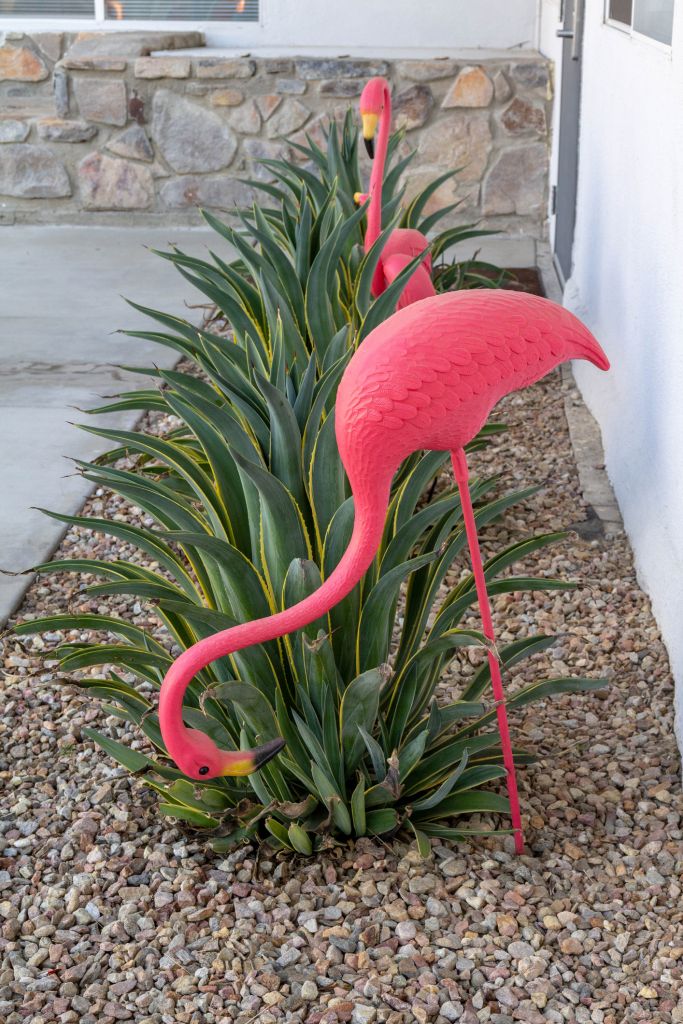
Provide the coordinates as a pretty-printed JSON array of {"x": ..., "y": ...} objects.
[
  {"x": 359, "y": 27},
  {"x": 627, "y": 286},
  {"x": 374, "y": 25}
]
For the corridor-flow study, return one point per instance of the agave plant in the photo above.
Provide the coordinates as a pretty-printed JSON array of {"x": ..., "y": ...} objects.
[{"x": 247, "y": 509}]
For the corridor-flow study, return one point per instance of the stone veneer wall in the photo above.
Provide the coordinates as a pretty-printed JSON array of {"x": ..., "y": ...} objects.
[{"x": 93, "y": 128}]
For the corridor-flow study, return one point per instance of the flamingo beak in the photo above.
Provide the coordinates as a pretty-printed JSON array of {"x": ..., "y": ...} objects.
[
  {"x": 369, "y": 130},
  {"x": 244, "y": 762}
]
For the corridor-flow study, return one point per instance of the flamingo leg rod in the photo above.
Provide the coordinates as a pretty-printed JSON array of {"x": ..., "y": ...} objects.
[{"x": 461, "y": 473}]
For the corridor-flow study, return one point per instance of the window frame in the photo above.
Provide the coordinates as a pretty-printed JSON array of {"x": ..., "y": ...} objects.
[{"x": 631, "y": 33}]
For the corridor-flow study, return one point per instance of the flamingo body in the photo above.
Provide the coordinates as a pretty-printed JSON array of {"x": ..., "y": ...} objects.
[
  {"x": 427, "y": 378},
  {"x": 404, "y": 243}
]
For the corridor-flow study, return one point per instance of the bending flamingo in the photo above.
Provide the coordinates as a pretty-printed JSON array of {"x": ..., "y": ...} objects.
[
  {"x": 427, "y": 378},
  {"x": 403, "y": 244}
]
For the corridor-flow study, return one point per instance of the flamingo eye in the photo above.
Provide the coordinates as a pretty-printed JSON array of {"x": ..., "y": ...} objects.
[{"x": 204, "y": 769}]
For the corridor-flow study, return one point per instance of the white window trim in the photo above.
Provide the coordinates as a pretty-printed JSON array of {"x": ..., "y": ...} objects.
[{"x": 631, "y": 33}]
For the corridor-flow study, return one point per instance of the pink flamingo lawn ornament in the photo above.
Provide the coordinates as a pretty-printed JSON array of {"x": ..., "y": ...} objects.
[
  {"x": 403, "y": 244},
  {"x": 426, "y": 378}
]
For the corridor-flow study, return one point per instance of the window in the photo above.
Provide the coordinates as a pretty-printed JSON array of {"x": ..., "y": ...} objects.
[
  {"x": 47, "y": 8},
  {"x": 182, "y": 10},
  {"x": 134, "y": 10},
  {"x": 651, "y": 18}
]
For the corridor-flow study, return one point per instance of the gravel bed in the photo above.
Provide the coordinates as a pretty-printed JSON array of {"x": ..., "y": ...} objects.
[{"x": 109, "y": 914}]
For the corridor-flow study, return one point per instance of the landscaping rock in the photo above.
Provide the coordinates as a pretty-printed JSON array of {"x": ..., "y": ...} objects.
[
  {"x": 130, "y": 44},
  {"x": 162, "y": 67},
  {"x": 101, "y": 99},
  {"x": 342, "y": 87},
  {"x": 14, "y": 131},
  {"x": 290, "y": 116},
  {"x": 257, "y": 150},
  {"x": 132, "y": 143},
  {"x": 60, "y": 89},
  {"x": 32, "y": 172},
  {"x": 467, "y": 140},
  {"x": 516, "y": 181},
  {"x": 322, "y": 68},
  {"x": 190, "y": 138},
  {"x": 49, "y": 43},
  {"x": 54, "y": 129},
  {"x": 531, "y": 75},
  {"x": 246, "y": 119},
  {"x": 226, "y": 97},
  {"x": 267, "y": 105},
  {"x": 20, "y": 64},
  {"x": 427, "y": 70},
  {"x": 218, "y": 193},
  {"x": 277, "y": 66},
  {"x": 94, "y": 64},
  {"x": 522, "y": 117},
  {"x": 109, "y": 184},
  {"x": 412, "y": 107},
  {"x": 472, "y": 88},
  {"x": 290, "y": 86},
  {"x": 220, "y": 67},
  {"x": 501, "y": 87}
]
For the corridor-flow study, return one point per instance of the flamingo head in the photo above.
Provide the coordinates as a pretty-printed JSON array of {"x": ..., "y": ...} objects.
[
  {"x": 371, "y": 107},
  {"x": 360, "y": 197},
  {"x": 201, "y": 759}
]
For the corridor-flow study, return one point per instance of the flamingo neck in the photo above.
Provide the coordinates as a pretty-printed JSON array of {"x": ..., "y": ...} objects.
[
  {"x": 368, "y": 527},
  {"x": 377, "y": 176}
]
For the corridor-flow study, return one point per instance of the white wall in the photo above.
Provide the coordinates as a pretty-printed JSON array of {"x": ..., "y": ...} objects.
[
  {"x": 378, "y": 24},
  {"x": 369, "y": 27},
  {"x": 627, "y": 286}
]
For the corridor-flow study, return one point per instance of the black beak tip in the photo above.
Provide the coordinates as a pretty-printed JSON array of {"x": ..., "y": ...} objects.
[
  {"x": 370, "y": 147},
  {"x": 262, "y": 755}
]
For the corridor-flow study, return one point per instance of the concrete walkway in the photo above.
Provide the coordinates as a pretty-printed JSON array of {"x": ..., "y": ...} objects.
[{"x": 60, "y": 302}]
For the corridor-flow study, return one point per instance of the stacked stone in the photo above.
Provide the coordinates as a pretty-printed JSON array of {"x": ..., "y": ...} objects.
[{"x": 93, "y": 123}]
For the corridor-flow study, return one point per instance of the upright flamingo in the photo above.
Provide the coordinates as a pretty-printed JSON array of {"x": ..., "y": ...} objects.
[
  {"x": 403, "y": 244},
  {"x": 427, "y": 378}
]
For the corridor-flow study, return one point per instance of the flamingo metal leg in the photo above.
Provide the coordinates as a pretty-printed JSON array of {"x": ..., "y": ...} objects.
[{"x": 461, "y": 472}]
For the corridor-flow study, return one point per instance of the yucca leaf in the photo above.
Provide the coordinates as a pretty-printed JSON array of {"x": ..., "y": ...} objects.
[
  {"x": 358, "y": 807},
  {"x": 539, "y": 690},
  {"x": 358, "y": 711},
  {"x": 508, "y": 656},
  {"x": 479, "y": 802},
  {"x": 327, "y": 480},
  {"x": 332, "y": 798},
  {"x": 132, "y": 760},
  {"x": 299, "y": 840},
  {"x": 435, "y": 798},
  {"x": 377, "y": 616},
  {"x": 283, "y": 532},
  {"x": 422, "y": 842},
  {"x": 253, "y": 705},
  {"x": 285, "y": 441},
  {"x": 381, "y": 821}
]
